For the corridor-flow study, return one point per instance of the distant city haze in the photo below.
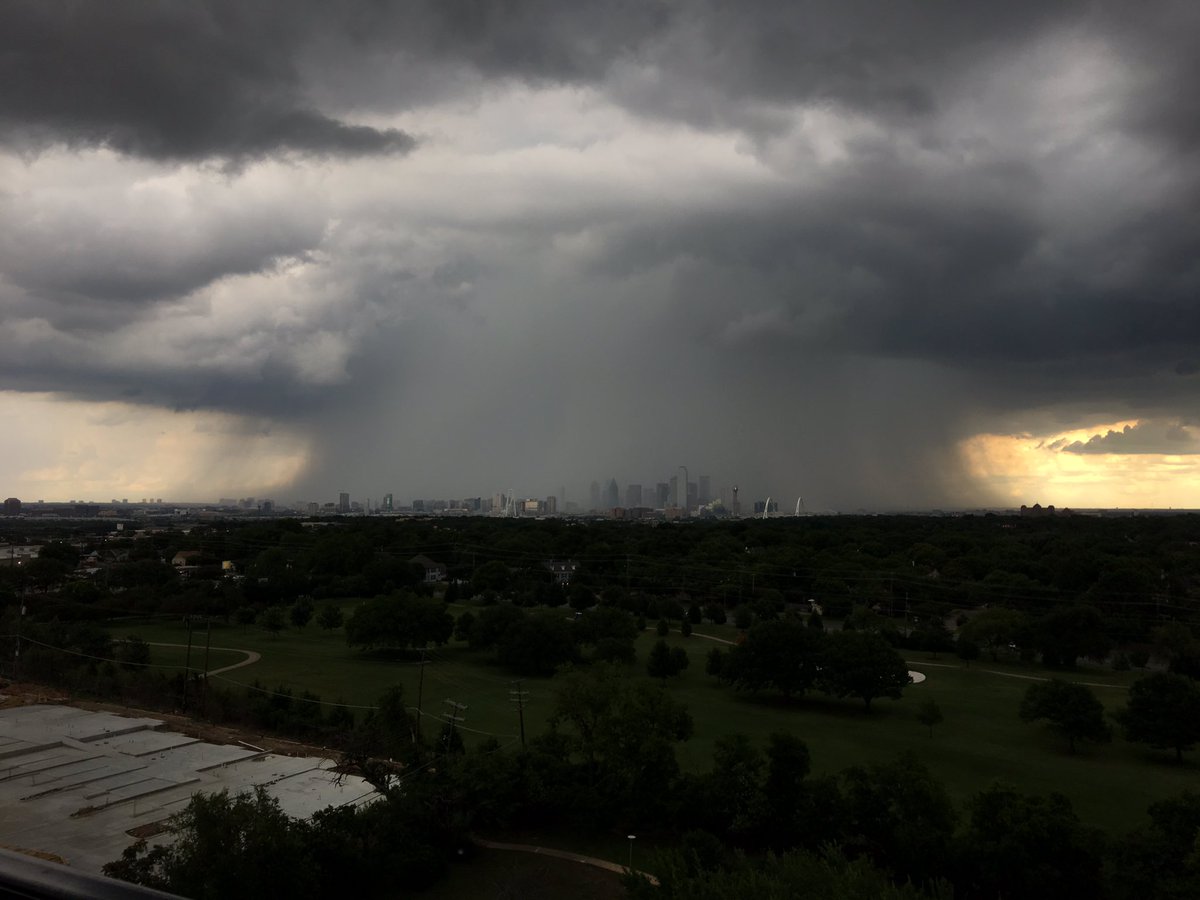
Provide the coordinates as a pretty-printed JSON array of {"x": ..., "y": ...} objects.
[{"x": 905, "y": 258}]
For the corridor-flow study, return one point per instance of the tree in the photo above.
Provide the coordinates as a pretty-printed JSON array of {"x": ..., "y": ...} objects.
[
  {"x": 663, "y": 628},
  {"x": 994, "y": 629},
  {"x": 272, "y": 620},
  {"x": 666, "y": 662},
  {"x": 134, "y": 652},
  {"x": 1067, "y": 634},
  {"x": 714, "y": 663},
  {"x": 330, "y": 617},
  {"x": 685, "y": 628},
  {"x": 1029, "y": 847},
  {"x": 624, "y": 732},
  {"x": 1164, "y": 712},
  {"x": 538, "y": 644},
  {"x": 400, "y": 620},
  {"x": 239, "y": 846},
  {"x": 694, "y": 614},
  {"x": 463, "y": 626},
  {"x": 899, "y": 815},
  {"x": 779, "y": 656},
  {"x": 861, "y": 664},
  {"x": 301, "y": 613},
  {"x": 1071, "y": 708},
  {"x": 929, "y": 714},
  {"x": 612, "y": 633},
  {"x": 715, "y": 613},
  {"x": 967, "y": 650}
]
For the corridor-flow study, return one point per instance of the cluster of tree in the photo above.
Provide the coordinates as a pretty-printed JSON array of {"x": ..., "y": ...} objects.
[
  {"x": 792, "y": 657},
  {"x": 401, "y": 620},
  {"x": 1163, "y": 711},
  {"x": 538, "y": 642},
  {"x": 246, "y": 846},
  {"x": 1061, "y": 588}
]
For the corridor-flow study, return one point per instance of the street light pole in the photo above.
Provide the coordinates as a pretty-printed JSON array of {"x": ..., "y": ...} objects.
[{"x": 631, "y": 837}]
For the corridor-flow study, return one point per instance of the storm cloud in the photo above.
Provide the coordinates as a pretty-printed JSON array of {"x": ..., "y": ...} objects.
[{"x": 805, "y": 247}]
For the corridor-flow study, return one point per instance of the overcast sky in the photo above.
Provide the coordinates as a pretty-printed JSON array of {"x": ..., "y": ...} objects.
[{"x": 901, "y": 254}]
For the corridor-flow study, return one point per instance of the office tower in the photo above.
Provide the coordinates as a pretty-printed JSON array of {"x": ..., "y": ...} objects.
[
  {"x": 705, "y": 489},
  {"x": 612, "y": 494},
  {"x": 662, "y": 494},
  {"x": 387, "y": 502},
  {"x": 343, "y": 502},
  {"x": 633, "y": 495},
  {"x": 675, "y": 499},
  {"x": 691, "y": 495},
  {"x": 595, "y": 495}
]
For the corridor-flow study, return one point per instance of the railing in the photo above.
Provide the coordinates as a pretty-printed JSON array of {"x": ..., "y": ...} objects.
[{"x": 29, "y": 878}]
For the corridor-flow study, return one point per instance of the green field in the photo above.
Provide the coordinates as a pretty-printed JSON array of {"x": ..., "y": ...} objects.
[{"x": 982, "y": 739}]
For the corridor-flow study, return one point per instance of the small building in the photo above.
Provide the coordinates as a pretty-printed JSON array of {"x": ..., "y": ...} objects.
[
  {"x": 434, "y": 571},
  {"x": 185, "y": 557}
]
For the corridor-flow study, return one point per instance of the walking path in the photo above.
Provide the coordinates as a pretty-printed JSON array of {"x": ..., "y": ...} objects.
[
  {"x": 563, "y": 854},
  {"x": 252, "y": 656},
  {"x": 1099, "y": 684}
]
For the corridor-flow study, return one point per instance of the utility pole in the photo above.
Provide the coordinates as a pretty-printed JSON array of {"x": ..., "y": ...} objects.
[
  {"x": 187, "y": 666},
  {"x": 420, "y": 693},
  {"x": 518, "y": 697},
  {"x": 453, "y": 717},
  {"x": 207, "y": 647}
]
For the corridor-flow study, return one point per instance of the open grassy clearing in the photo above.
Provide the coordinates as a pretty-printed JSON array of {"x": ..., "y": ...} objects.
[{"x": 981, "y": 741}]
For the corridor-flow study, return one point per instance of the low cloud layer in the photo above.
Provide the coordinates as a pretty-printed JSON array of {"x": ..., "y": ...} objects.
[{"x": 466, "y": 247}]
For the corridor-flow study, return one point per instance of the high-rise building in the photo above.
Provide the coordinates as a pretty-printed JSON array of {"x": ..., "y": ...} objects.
[
  {"x": 705, "y": 485},
  {"x": 675, "y": 499},
  {"x": 387, "y": 502},
  {"x": 343, "y": 502},
  {"x": 662, "y": 494},
  {"x": 551, "y": 505},
  {"x": 595, "y": 495},
  {"x": 612, "y": 494},
  {"x": 633, "y": 495},
  {"x": 691, "y": 495}
]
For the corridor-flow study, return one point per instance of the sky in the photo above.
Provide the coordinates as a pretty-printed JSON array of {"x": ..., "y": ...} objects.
[{"x": 879, "y": 255}]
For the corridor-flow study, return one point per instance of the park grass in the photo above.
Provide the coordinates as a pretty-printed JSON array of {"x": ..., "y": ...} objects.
[{"x": 981, "y": 741}]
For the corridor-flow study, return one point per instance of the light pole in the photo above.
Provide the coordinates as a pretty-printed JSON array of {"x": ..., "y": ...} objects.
[{"x": 631, "y": 837}]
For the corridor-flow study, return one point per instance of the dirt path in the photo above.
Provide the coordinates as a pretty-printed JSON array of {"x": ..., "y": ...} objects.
[
  {"x": 252, "y": 656},
  {"x": 562, "y": 854}
]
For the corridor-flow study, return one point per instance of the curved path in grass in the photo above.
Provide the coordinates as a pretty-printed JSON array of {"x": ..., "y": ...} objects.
[
  {"x": 563, "y": 854},
  {"x": 252, "y": 656},
  {"x": 1099, "y": 684}
]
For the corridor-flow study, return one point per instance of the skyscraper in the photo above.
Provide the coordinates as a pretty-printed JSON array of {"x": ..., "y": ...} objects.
[
  {"x": 662, "y": 494},
  {"x": 612, "y": 495},
  {"x": 595, "y": 495},
  {"x": 705, "y": 484},
  {"x": 387, "y": 502},
  {"x": 633, "y": 495},
  {"x": 343, "y": 502}
]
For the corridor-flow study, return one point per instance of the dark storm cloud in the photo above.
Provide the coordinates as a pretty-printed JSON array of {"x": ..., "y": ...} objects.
[
  {"x": 1144, "y": 437},
  {"x": 952, "y": 210},
  {"x": 189, "y": 81}
]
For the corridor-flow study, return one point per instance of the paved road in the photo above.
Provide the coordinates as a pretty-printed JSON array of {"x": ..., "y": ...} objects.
[
  {"x": 252, "y": 656},
  {"x": 563, "y": 854}
]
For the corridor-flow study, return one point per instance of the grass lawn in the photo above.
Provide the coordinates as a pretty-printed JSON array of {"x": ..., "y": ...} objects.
[{"x": 981, "y": 740}]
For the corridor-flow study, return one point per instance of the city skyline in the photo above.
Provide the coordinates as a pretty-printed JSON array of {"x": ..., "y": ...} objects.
[{"x": 927, "y": 258}]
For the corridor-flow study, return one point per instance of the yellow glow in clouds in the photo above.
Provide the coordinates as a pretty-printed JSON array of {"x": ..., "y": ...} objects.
[
  {"x": 1028, "y": 469},
  {"x": 56, "y": 449}
]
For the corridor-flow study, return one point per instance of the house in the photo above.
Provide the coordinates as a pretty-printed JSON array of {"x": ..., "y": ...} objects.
[
  {"x": 186, "y": 557},
  {"x": 563, "y": 570},
  {"x": 434, "y": 571}
]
